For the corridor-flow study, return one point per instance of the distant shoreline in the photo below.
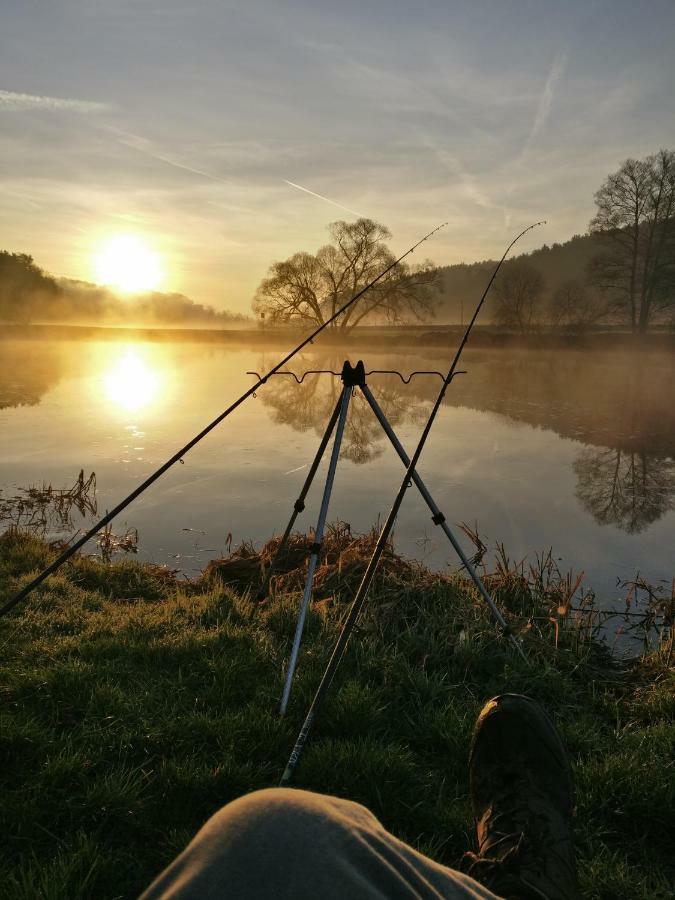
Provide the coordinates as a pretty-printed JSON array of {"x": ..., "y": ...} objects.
[{"x": 368, "y": 337}]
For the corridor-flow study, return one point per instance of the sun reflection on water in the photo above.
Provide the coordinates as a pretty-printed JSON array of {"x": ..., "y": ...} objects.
[{"x": 132, "y": 383}]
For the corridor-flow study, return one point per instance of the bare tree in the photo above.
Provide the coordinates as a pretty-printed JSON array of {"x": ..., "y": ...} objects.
[
  {"x": 636, "y": 217},
  {"x": 311, "y": 288},
  {"x": 519, "y": 293},
  {"x": 574, "y": 308}
]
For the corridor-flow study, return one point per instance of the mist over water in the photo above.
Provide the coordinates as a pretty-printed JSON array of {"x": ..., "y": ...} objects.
[{"x": 568, "y": 450}]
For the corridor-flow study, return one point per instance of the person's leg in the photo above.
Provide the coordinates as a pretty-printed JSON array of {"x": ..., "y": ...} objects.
[
  {"x": 283, "y": 844},
  {"x": 295, "y": 844},
  {"x": 522, "y": 798}
]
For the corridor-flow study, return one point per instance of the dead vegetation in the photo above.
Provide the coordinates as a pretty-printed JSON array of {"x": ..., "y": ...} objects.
[
  {"x": 47, "y": 511},
  {"x": 537, "y": 597},
  {"x": 342, "y": 561},
  {"x": 40, "y": 510},
  {"x": 111, "y": 543}
]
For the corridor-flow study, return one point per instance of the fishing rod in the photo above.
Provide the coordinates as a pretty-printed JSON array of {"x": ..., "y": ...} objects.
[
  {"x": 359, "y": 599},
  {"x": 73, "y": 548}
]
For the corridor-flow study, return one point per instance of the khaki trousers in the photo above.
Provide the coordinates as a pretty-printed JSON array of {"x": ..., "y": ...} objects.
[{"x": 296, "y": 845}]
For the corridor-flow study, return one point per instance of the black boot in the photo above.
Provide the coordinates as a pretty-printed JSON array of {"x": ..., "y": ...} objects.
[{"x": 522, "y": 798}]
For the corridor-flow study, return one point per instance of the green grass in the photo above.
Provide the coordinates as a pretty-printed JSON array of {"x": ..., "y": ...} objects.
[{"x": 134, "y": 706}]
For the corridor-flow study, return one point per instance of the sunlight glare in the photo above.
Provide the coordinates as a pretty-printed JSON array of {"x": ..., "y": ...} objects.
[
  {"x": 127, "y": 263},
  {"x": 131, "y": 384}
]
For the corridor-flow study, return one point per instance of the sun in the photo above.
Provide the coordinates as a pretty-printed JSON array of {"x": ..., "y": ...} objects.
[{"x": 128, "y": 263}]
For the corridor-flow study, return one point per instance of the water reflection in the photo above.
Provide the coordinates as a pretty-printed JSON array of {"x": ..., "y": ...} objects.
[
  {"x": 617, "y": 407},
  {"x": 627, "y": 489},
  {"x": 309, "y": 406},
  {"x": 620, "y": 408},
  {"x": 132, "y": 383},
  {"x": 29, "y": 369},
  {"x": 132, "y": 376}
]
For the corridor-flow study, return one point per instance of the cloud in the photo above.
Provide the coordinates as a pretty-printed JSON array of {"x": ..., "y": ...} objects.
[
  {"x": 546, "y": 100},
  {"x": 11, "y": 101},
  {"x": 453, "y": 164}
]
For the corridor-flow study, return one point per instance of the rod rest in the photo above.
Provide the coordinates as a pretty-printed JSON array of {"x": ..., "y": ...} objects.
[{"x": 353, "y": 376}]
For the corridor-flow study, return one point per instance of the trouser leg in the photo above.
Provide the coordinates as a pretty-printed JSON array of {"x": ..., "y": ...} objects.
[{"x": 284, "y": 844}]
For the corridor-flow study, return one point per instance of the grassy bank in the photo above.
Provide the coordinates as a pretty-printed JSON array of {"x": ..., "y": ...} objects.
[{"x": 134, "y": 705}]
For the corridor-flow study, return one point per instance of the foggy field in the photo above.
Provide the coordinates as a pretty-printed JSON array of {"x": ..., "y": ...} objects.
[{"x": 135, "y": 705}]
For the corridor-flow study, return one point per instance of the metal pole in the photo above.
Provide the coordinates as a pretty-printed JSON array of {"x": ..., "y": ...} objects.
[
  {"x": 299, "y": 504},
  {"x": 437, "y": 516},
  {"x": 316, "y": 547}
]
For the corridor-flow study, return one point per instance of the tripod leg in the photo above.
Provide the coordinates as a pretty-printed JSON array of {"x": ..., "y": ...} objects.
[
  {"x": 299, "y": 504},
  {"x": 437, "y": 516},
  {"x": 344, "y": 406}
]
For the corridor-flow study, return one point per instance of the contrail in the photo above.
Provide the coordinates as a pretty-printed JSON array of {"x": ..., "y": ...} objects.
[
  {"x": 177, "y": 165},
  {"x": 14, "y": 101},
  {"x": 144, "y": 146},
  {"x": 321, "y": 197},
  {"x": 556, "y": 72}
]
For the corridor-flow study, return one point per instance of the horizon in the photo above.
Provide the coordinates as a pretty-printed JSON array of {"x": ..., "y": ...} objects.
[
  {"x": 120, "y": 292},
  {"x": 227, "y": 139}
]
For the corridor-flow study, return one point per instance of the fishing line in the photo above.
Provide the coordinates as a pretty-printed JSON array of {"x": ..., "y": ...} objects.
[
  {"x": 73, "y": 548},
  {"x": 357, "y": 603}
]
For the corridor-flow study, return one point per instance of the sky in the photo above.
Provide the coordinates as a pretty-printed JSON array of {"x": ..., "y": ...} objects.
[{"x": 229, "y": 135}]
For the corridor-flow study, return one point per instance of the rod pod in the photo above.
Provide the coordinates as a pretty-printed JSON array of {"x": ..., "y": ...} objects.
[
  {"x": 351, "y": 377},
  {"x": 361, "y": 593},
  {"x": 354, "y": 377}
]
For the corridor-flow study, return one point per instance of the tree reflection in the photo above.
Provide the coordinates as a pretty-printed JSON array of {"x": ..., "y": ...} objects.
[
  {"x": 309, "y": 406},
  {"x": 622, "y": 416},
  {"x": 632, "y": 484},
  {"x": 622, "y": 413},
  {"x": 28, "y": 371},
  {"x": 618, "y": 407},
  {"x": 624, "y": 488}
]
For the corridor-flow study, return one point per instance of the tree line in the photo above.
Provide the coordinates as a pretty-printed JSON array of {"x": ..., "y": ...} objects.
[
  {"x": 29, "y": 294},
  {"x": 631, "y": 277},
  {"x": 627, "y": 279}
]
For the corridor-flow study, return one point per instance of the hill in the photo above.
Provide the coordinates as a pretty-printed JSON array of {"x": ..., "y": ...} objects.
[
  {"x": 29, "y": 294},
  {"x": 463, "y": 284},
  {"x": 92, "y": 304}
]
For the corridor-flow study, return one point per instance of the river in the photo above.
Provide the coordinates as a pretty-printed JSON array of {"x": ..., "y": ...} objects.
[{"x": 564, "y": 450}]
